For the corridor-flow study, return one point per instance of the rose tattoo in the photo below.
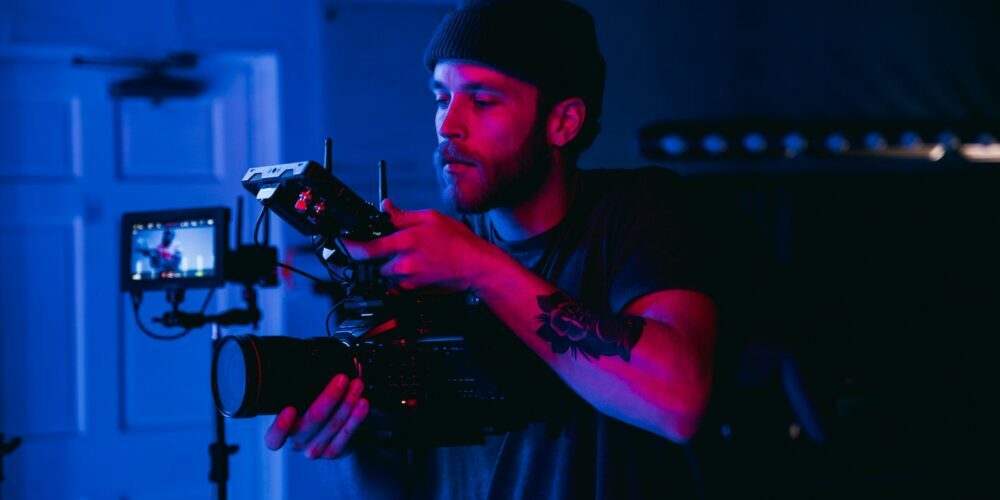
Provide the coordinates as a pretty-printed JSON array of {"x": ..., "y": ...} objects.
[{"x": 568, "y": 326}]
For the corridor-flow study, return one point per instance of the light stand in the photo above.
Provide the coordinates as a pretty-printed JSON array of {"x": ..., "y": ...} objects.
[
  {"x": 6, "y": 448},
  {"x": 249, "y": 265},
  {"x": 220, "y": 450}
]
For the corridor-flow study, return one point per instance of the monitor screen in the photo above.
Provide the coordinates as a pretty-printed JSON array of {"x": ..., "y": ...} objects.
[{"x": 183, "y": 248}]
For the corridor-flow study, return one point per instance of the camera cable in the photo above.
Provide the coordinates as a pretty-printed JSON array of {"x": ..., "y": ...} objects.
[
  {"x": 256, "y": 227},
  {"x": 301, "y": 272},
  {"x": 256, "y": 241},
  {"x": 330, "y": 315},
  {"x": 318, "y": 245},
  {"x": 137, "y": 302}
]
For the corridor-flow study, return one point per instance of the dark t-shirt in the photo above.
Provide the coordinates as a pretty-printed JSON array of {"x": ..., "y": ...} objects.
[{"x": 623, "y": 238}]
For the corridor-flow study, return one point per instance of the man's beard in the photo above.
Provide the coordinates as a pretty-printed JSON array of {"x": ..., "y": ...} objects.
[{"x": 495, "y": 182}]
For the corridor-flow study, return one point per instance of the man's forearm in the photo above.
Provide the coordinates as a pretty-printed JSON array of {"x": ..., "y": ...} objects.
[{"x": 631, "y": 365}]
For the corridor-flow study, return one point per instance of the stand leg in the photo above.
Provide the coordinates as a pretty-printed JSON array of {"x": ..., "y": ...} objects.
[
  {"x": 6, "y": 448},
  {"x": 219, "y": 451}
]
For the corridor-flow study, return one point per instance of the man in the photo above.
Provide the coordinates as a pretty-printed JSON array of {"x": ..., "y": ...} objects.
[
  {"x": 587, "y": 270},
  {"x": 165, "y": 258}
]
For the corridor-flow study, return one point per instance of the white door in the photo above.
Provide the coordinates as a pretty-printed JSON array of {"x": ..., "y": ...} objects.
[{"x": 104, "y": 411}]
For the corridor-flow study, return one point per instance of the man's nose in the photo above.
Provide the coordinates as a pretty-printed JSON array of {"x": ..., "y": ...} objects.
[{"x": 452, "y": 125}]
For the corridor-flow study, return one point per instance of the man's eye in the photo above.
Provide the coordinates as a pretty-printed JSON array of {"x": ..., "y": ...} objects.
[
  {"x": 484, "y": 103},
  {"x": 442, "y": 101}
]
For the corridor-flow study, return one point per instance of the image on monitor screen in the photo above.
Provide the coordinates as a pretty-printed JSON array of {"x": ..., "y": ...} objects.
[{"x": 173, "y": 250}]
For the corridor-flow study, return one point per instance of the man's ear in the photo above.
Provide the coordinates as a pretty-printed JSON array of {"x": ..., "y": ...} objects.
[{"x": 566, "y": 120}]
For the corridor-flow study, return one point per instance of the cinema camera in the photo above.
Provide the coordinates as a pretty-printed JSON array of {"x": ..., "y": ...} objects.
[{"x": 410, "y": 349}]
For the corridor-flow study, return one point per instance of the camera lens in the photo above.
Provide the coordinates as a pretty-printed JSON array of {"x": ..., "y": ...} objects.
[
  {"x": 254, "y": 375},
  {"x": 231, "y": 376}
]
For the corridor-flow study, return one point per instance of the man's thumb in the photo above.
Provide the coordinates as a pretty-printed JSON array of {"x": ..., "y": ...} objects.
[{"x": 400, "y": 218}]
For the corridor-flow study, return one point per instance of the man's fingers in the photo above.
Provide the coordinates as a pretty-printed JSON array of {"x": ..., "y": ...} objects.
[
  {"x": 339, "y": 443},
  {"x": 397, "y": 267},
  {"x": 403, "y": 219},
  {"x": 400, "y": 218},
  {"x": 320, "y": 410},
  {"x": 363, "y": 250},
  {"x": 280, "y": 429},
  {"x": 319, "y": 442},
  {"x": 393, "y": 244},
  {"x": 390, "y": 208},
  {"x": 381, "y": 247},
  {"x": 385, "y": 246}
]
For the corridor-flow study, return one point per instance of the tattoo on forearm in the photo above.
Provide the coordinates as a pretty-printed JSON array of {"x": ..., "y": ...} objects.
[{"x": 568, "y": 326}]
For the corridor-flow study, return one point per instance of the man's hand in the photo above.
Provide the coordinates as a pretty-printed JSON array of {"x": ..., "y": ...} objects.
[
  {"x": 430, "y": 249},
  {"x": 327, "y": 426}
]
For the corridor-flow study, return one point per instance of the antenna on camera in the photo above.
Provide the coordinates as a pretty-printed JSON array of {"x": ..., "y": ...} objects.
[
  {"x": 239, "y": 220},
  {"x": 267, "y": 227},
  {"x": 328, "y": 155},
  {"x": 383, "y": 184}
]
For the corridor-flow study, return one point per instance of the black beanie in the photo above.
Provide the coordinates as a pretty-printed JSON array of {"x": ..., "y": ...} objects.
[{"x": 549, "y": 43}]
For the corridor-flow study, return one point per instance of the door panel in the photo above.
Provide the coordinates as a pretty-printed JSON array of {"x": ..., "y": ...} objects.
[
  {"x": 104, "y": 411},
  {"x": 40, "y": 139},
  {"x": 44, "y": 253},
  {"x": 164, "y": 383},
  {"x": 174, "y": 139}
]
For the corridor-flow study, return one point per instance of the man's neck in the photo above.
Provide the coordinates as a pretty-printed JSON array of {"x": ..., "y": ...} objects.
[{"x": 539, "y": 213}]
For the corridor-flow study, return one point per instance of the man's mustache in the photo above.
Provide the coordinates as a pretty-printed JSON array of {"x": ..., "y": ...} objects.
[{"x": 448, "y": 152}]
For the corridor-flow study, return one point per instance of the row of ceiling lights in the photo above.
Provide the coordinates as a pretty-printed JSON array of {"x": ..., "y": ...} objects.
[{"x": 700, "y": 141}]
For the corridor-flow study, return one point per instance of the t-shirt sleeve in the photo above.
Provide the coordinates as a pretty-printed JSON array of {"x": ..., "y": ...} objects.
[{"x": 649, "y": 243}]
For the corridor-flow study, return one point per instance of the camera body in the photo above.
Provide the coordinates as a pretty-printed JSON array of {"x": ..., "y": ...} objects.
[{"x": 422, "y": 376}]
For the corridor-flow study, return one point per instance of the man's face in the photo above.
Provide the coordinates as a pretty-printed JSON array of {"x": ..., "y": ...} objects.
[{"x": 492, "y": 148}]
